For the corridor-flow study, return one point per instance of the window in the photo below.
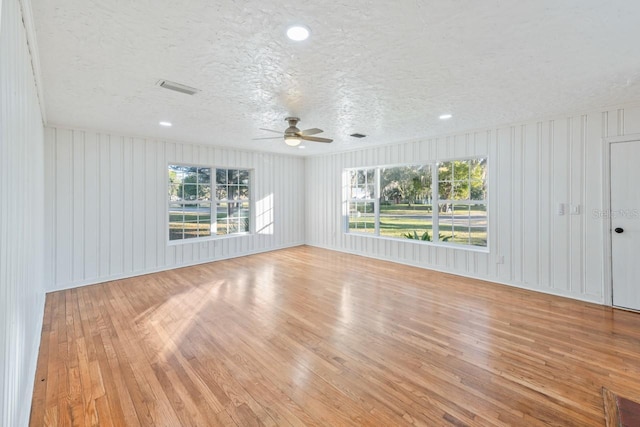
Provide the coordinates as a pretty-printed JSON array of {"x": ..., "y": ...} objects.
[
  {"x": 439, "y": 202},
  {"x": 232, "y": 206},
  {"x": 405, "y": 202},
  {"x": 361, "y": 200},
  {"x": 462, "y": 206},
  {"x": 191, "y": 202}
]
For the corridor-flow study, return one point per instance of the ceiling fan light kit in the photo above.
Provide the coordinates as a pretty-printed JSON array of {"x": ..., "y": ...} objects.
[{"x": 292, "y": 141}]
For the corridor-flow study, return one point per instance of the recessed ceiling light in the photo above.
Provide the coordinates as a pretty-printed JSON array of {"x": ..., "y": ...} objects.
[
  {"x": 298, "y": 33},
  {"x": 302, "y": 147},
  {"x": 165, "y": 124},
  {"x": 445, "y": 116}
]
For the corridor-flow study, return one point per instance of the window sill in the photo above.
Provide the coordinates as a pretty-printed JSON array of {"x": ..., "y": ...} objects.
[
  {"x": 207, "y": 239},
  {"x": 479, "y": 249}
]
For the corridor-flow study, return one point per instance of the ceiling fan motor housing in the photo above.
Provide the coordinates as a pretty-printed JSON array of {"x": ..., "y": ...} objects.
[{"x": 292, "y": 129}]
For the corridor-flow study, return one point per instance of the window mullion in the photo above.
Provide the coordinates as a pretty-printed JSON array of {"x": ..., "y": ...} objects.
[
  {"x": 435, "y": 211},
  {"x": 376, "y": 201},
  {"x": 214, "y": 202}
]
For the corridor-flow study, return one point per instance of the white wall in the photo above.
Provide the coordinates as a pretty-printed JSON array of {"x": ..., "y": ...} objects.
[
  {"x": 106, "y": 205},
  {"x": 21, "y": 219},
  {"x": 532, "y": 168}
]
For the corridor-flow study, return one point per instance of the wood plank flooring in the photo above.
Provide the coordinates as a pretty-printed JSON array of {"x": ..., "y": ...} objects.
[{"x": 306, "y": 336}]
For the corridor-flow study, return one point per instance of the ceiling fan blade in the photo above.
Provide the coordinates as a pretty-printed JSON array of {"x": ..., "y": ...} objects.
[
  {"x": 315, "y": 139},
  {"x": 271, "y": 130},
  {"x": 268, "y": 137},
  {"x": 311, "y": 131}
]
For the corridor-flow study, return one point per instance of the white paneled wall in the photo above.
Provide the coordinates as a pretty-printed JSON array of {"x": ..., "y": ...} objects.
[
  {"x": 106, "y": 205},
  {"x": 21, "y": 219},
  {"x": 533, "y": 167}
]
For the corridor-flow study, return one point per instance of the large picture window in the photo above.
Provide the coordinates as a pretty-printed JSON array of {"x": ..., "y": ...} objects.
[
  {"x": 442, "y": 202},
  {"x": 202, "y": 207}
]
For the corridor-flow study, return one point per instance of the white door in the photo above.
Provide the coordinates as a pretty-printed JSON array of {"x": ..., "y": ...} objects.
[{"x": 625, "y": 223}]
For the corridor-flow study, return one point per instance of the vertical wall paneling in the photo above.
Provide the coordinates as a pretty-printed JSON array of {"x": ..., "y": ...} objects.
[
  {"x": 554, "y": 203},
  {"x": 522, "y": 204},
  {"x": 613, "y": 123},
  {"x": 150, "y": 237},
  {"x": 109, "y": 202},
  {"x": 104, "y": 191},
  {"x": 620, "y": 116},
  {"x": 576, "y": 189},
  {"x": 63, "y": 186},
  {"x": 76, "y": 191},
  {"x": 547, "y": 206},
  {"x": 517, "y": 212},
  {"x": 137, "y": 206},
  {"x": 631, "y": 121},
  {"x": 533, "y": 168},
  {"x": 160, "y": 211},
  {"x": 557, "y": 142},
  {"x": 127, "y": 207},
  {"x": 503, "y": 202},
  {"x": 50, "y": 207},
  {"x": 21, "y": 217},
  {"x": 90, "y": 204},
  {"x": 116, "y": 204},
  {"x": 530, "y": 165}
]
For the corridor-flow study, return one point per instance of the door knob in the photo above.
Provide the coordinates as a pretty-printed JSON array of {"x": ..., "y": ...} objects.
[{"x": 618, "y": 230}]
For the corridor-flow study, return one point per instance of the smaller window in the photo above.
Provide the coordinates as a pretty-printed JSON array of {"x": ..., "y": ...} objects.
[
  {"x": 196, "y": 212},
  {"x": 462, "y": 203},
  {"x": 189, "y": 202},
  {"x": 361, "y": 187}
]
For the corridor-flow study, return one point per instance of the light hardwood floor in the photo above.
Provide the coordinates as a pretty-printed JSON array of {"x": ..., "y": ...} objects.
[{"x": 306, "y": 336}]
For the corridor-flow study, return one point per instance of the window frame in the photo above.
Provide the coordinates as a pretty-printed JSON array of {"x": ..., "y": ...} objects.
[
  {"x": 435, "y": 202},
  {"x": 375, "y": 200},
  {"x": 468, "y": 201},
  {"x": 213, "y": 201}
]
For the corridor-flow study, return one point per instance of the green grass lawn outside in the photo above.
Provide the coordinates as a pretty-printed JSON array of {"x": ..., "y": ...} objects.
[
  {"x": 194, "y": 225},
  {"x": 404, "y": 209},
  {"x": 395, "y": 225}
]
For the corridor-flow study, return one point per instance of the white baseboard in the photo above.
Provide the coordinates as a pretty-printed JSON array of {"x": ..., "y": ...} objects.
[
  {"x": 97, "y": 280},
  {"x": 550, "y": 291},
  {"x": 33, "y": 364}
]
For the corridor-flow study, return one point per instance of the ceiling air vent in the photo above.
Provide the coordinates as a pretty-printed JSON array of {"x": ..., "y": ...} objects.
[
  {"x": 357, "y": 135},
  {"x": 178, "y": 87}
]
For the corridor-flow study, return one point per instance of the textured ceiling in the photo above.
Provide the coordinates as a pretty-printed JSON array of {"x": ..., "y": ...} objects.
[{"x": 386, "y": 69}]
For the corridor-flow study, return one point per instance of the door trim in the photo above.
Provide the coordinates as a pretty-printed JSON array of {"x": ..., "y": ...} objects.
[{"x": 606, "y": 225}]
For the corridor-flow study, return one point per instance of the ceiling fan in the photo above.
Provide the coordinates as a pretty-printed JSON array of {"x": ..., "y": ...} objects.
[{"x": 294, "y": 136}]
